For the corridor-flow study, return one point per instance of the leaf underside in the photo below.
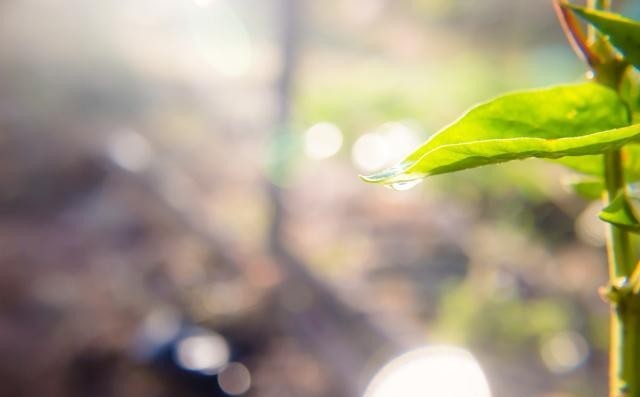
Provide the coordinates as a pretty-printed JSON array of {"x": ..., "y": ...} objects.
[
  {"x": 624, "y": 33},
  {"x": 569, "y": 120},
  {"x": 620, "y": 213}
]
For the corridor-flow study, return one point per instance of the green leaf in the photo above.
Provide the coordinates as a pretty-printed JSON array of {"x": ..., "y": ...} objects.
[
  {"x": 591, "y": 188},
  {"x": 594, "y": 164},
  {"x": 624, "y": 33},
  {"x": 569, "y": 120},
  {"x": 620, "y": 213}
]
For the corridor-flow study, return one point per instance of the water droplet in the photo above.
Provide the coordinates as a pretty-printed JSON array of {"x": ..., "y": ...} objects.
[{"x": 404, "y": 185}]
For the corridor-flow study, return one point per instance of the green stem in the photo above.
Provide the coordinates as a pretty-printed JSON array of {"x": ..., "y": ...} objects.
[
  {"x": 625, "y": 347},
  {"x": 619, "y": 248},
  {"x": 625, "y": 317},
  {"x": 629, "y": 335},
  {"x": 624, "y": 351}
]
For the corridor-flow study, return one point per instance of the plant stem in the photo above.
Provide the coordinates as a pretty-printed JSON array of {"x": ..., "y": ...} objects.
[
  {"x": 628, "y": 315},
  {"x": 625, "y": 311},
  {"x": 624, "y": 351},
  {"x": 619, "y": 248}
]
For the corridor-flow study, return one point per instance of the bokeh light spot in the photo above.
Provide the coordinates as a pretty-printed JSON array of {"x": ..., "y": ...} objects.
[
  {"x": 370, "y": 152},
  {"x": 384, "y": 147},
  {"x": 401, "y": 139},
  {"x": 564, "y": 351},
  {"x": 234, "y": 379},
  {"x": 206, "y": 353},
  {"x": 432, "y": 371},
  {"x": 322, "y": 140}
]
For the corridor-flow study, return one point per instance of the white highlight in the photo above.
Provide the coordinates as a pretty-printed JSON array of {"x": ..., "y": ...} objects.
[
  {"x": 401, "y": 139},
  {"x": 385, "y": 146},
  {"x": 206, "y": 353},
  {"x": 437, "y": 371},
  {"x": 370, "y": 152},
  {"x": 322, "y": 140}
]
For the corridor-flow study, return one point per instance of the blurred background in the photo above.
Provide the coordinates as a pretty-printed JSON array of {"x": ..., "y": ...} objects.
[{"x": 180, "y": 212}]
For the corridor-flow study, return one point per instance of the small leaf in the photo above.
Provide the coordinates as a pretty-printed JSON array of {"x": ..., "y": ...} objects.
[
  {"x": 624, "y": 33},
  {"x": 570, "y": 120},
  {"x": 589, "y": 188},
  {"x": 620, "y": 213}
]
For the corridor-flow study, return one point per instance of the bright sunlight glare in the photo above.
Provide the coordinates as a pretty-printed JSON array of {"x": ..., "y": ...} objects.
[
  {"x": 322, "y": 140},
  {"x": 440, "y": 371}
]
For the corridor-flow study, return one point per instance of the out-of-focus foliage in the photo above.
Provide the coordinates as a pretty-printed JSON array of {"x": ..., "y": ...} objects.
[{"x": 476, "y": 318}]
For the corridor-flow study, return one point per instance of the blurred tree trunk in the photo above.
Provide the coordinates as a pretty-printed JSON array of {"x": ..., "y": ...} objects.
[{"x": 342, "y": 338}]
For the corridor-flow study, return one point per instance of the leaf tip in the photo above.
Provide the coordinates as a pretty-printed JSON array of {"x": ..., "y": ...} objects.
[
  {"x": 393, "y": 174},
  {"x": 367, "y": 178}
]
